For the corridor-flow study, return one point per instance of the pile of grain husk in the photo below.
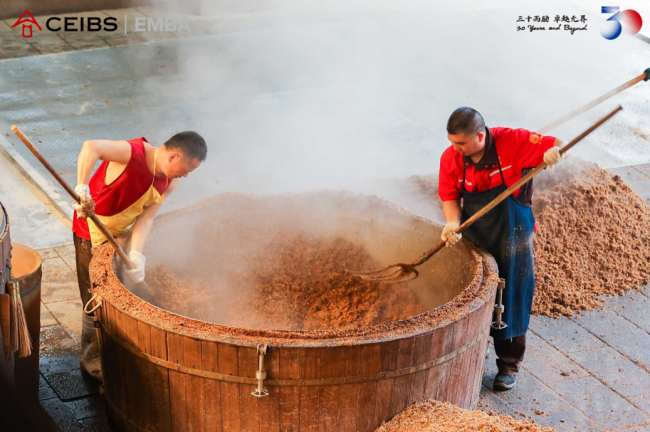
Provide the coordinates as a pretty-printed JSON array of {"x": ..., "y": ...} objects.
[
  {"x": 296, "y": 282},
  {"x": 593, "y": 239},
  {"x": 593, "y": 236},
  {"x": 435, "y": 416}
]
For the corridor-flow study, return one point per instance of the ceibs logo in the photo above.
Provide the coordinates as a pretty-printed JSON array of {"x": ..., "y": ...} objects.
[
  {"x": 630, "y": 19},
  {"x": 27, "y": 23}
]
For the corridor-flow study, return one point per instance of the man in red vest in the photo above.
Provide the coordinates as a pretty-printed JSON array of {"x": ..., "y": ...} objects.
[
  {"x": 480, "y": 164},
  {"x": 125, "y": 193}
]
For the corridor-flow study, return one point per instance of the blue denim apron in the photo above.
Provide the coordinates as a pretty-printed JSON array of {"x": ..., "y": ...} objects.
[{"x": 506, "y": 232}]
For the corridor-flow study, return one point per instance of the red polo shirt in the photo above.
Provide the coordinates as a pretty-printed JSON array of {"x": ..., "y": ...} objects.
[{"x": 518, "y": 149}]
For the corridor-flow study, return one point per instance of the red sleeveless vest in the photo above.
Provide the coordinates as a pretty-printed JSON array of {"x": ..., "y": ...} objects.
[{"x": 129, "y": 187}]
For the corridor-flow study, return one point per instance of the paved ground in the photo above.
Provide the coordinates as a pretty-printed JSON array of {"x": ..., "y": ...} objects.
[
  {"x": 585, "y": 373},
  {"x": 67, "y": 396},
  {"x": 41, "y": 224}
]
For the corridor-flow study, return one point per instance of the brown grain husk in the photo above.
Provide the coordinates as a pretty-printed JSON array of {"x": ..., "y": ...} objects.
[
  {"x": 297, "y": 282},
  {"x": 435, "y": 416}
]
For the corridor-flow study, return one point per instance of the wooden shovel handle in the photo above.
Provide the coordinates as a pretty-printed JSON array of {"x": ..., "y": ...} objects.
[
  {"x": 73, "y": 194},
  {"x": 645, "y": 76},
  {"x": 506, "y": 193}
]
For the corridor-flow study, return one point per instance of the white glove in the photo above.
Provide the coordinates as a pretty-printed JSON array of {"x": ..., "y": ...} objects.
[
  {"x": 86, "y": 208},
  {"x": 135, "y": 275},
  {"x": 552, "y": 156},
  {"x": 448, "y": 234}
]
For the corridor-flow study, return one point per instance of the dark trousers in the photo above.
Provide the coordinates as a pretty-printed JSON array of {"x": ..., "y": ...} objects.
[
  {"x": 90, "y": 356},
  {"x": 510, "y": 353},
  {"x": 83, "y": 254}
]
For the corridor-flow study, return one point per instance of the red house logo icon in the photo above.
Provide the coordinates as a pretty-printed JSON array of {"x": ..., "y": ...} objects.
[{"x": 27, "y": 23}]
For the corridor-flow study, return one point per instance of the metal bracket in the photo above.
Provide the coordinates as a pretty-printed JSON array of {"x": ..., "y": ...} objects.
[
  {"x": 497, "y": 324},
  {"x": 260, "y": 391}
]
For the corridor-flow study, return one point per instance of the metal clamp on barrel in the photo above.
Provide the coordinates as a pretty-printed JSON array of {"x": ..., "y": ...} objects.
[
  {"x": 498, "y": 307},
  {"x": 260, "y": 391}
]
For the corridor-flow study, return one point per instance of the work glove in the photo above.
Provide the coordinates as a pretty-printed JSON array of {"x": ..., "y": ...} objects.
[
  {"x": 136, "y": 275},
  {"x": 552, "y": 156},
  {"x": 86, "y": 207},
  {"x": 448, "y": 234}
]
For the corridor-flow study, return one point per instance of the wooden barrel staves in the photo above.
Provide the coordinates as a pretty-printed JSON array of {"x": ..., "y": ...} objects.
[
  {"x": 166, "y": 372},
  {"x": 27, "y": 272}
]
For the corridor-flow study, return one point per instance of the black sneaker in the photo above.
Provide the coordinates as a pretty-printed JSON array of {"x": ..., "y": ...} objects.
[{"x": 504, "y": 381}]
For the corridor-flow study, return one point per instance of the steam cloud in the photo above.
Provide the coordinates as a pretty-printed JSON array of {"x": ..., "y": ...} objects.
[{"x": 313, "y": 95}]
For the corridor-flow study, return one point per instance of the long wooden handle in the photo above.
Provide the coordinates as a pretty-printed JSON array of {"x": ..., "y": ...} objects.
[
  {"x": 506, "y": 193},
  {"x": 643, "y": 77},
  {"x": 73, "y": 194}
]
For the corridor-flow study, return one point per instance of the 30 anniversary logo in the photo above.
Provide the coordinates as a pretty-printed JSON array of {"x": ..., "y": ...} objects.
[{"x": 629, "y": 19}]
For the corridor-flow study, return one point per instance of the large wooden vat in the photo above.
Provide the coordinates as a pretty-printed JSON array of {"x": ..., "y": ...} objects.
[{"x": 173, "y": 373}]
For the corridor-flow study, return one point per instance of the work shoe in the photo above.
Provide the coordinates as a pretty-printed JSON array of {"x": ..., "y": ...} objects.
[
  {"x": 93, "y": 369},
  {"x": 91, "y": 362},
  {"x": 504, "y": 381}
]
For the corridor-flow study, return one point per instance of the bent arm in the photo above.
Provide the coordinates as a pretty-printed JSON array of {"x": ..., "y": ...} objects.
[
  {"x": 144, "y": 222},
  {"x": 451, "y": 211},
  {"x": 106, "y": 150}
]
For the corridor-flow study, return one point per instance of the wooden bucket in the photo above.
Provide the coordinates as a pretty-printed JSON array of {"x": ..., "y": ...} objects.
[
  {"x": 26, "y": 263},
  {"x": 174, "y": 373}
]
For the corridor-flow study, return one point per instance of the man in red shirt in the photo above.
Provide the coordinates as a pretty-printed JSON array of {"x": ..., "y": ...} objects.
[
  {"x": 480, "y": 164},
  {"x": 125, "y": 193}
]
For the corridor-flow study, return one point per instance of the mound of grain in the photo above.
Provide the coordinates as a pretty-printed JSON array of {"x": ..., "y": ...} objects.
[
  {"x": 297, "y": 282},
  {"x": 434, "y": 416},
  {"x": 593, "y": 239}
]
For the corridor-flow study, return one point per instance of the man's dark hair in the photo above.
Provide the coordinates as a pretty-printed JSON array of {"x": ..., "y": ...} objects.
[
  {"x": 465, "y": 120},
  {"x": 191, "y": 144}
]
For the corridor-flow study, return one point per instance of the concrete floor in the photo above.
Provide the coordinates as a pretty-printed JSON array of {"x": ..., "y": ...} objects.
[
  {"x": 39, "y": 220},
  {"x": 589, "y": 372}
]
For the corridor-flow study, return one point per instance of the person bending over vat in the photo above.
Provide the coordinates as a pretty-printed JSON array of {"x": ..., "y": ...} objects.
[
  {"x": 125, "y": 193},
  {"x": 480, "y": 164}
]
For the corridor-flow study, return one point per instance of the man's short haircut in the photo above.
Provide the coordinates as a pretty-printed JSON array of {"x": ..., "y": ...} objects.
[
  {"x": 191, "y": 144},
  {"x": 465, "y": 120}
]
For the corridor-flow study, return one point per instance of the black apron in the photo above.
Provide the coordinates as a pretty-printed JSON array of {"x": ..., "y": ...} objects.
[{"x": 506, "y": 232}]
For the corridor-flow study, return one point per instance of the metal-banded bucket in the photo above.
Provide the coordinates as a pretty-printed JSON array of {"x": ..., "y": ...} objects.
[{"x": 167, "y": 372}]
